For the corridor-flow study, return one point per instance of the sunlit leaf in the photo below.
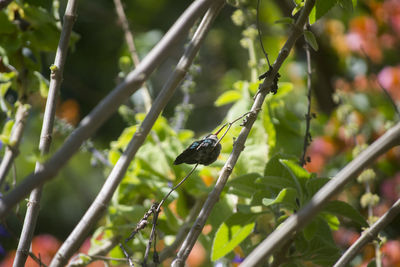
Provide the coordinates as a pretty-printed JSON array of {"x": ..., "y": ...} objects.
[
  {"x": 231, "y": 233},
  {"x": 227, "y": 98},
  {"x": 343, "y": 209},
  {"x": 287, "y": 196}
]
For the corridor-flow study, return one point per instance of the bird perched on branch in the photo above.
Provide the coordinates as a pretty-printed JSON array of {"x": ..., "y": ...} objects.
[{"x": 204, "y": 151}]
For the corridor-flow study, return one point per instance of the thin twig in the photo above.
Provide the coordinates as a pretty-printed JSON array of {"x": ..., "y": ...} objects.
[
  {"x": 390, "y": 98},
  {"x": 132, "y": 49},
  {"x": 385, "y": 91},
  {"x": 259, "y": 33},
  {"x": 107, "y": 106},
  {"x": 183, "y": 230},
  {"x": 307, "y": 135},
  {"x": 175, "y": 187},
  {"x": 369, "y": 235},
  {"x": 100, "y": 203},
  {"x": 12, "y": 149},
  {"x": 38, "y": 260},
  {"x": 97, "y": 253},
  {"x": 267, "y": 86},
  {"x": 151, "y": 238},
  {"x": 127, "y": 257},
  {"x": 47, "y": 130}
]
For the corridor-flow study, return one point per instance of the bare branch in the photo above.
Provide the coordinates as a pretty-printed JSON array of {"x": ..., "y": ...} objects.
[
  {"x": 132, "y": 49},
  {"x": 11, "y": 150},
  {"x": 100, "y": 203},
  {"x": 96, "y": 254},
  {"x": 307, "y": 135},
  {"x": 107, "y": 106},
  {"x": 295, "y": 222},
  {"x": 46, "y": 133},
  {"x": 265, "y": 88},
  {"x": 369, "y": 234}
]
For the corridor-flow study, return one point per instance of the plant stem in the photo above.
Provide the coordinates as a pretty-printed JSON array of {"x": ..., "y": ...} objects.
[
  {"x": 132, "y": 49},
  {"x": 99, "y": 205},
  {"x": 106, "y": 107},
  {"x": 11, "y": 150},
  {"x": 46, "y": 133},
  {"x": 369, "y": 234},
  {"x": 297, "y": 221},
  {"x": 307, "y": 135},
  {"x": 238, "y": 147}
]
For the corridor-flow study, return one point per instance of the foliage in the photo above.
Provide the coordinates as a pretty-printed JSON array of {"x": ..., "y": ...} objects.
[{"x": 267, "y": 184}]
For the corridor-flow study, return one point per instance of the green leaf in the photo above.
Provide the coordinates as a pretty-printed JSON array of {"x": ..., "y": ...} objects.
[
  {"x": 43, "y": 84},
  {"x": 228, "y": 97},
  {"x": 275, "y": 182},
  {"x": 297, "y": 8},
  {"x": 332, "y": 220},
  {"x": 275, "y": 168},
  {"x": 244, "y": 185},
  {"x": 231, "y": 233},
  {"x": 7, "y": 27},
  {"x": 321, "y": 8},
  {"x": 285, "y": 20},
  {"x": 315, "y": 184},
  {"x": 287, "y": 196},
  {"x": 299, "y": 175},
  {"x": 343, "y": 209},
  {"x": 311, "y": 229},
  {"x": 311, "y": 40},
  {"x": 5, "y": 135},
  {"x": 347, "y": 5}
]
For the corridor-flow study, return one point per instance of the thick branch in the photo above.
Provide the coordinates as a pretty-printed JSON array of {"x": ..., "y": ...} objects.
[
  {"x": 369, "y": 234},
  {"x": 46, "y": 134},
  {"x": 99, "y": 205},
  {"x": 295, "y": 222},
  {"x": 11, "y": 150},
  {"x": 239, "y": 143},
  {"x": 107, "y": 106}
]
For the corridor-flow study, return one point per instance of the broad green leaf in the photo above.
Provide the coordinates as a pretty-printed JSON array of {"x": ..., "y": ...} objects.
[
  {"x": 343, "y": 209},
  {"x": 275, "y": 182},
  {"x": 332, "y": 220},
  {"x": 228, "y": 97},
  {"x": 287, "y": 197},
  {"x": 321, "y": 8},
  {"x": 315, "y": 184},
  {"x": 299, "y": 175},
  {"x": 310, "y": 229},
  {"x": 347, "y": 5},
  {"x": 311, "y": 40},
  {"x": 321, "y": 250},
  {"x": 231, "y": 233},
  {"x": 275, "y": 168},
  {"x": 244, "y": 185}
]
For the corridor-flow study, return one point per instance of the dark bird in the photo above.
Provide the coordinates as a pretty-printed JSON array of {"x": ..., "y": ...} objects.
[{"x": 203, "y": 151}]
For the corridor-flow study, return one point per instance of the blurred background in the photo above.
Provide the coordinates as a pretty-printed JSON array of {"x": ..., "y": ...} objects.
[{"x": 358, "y": 55}]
